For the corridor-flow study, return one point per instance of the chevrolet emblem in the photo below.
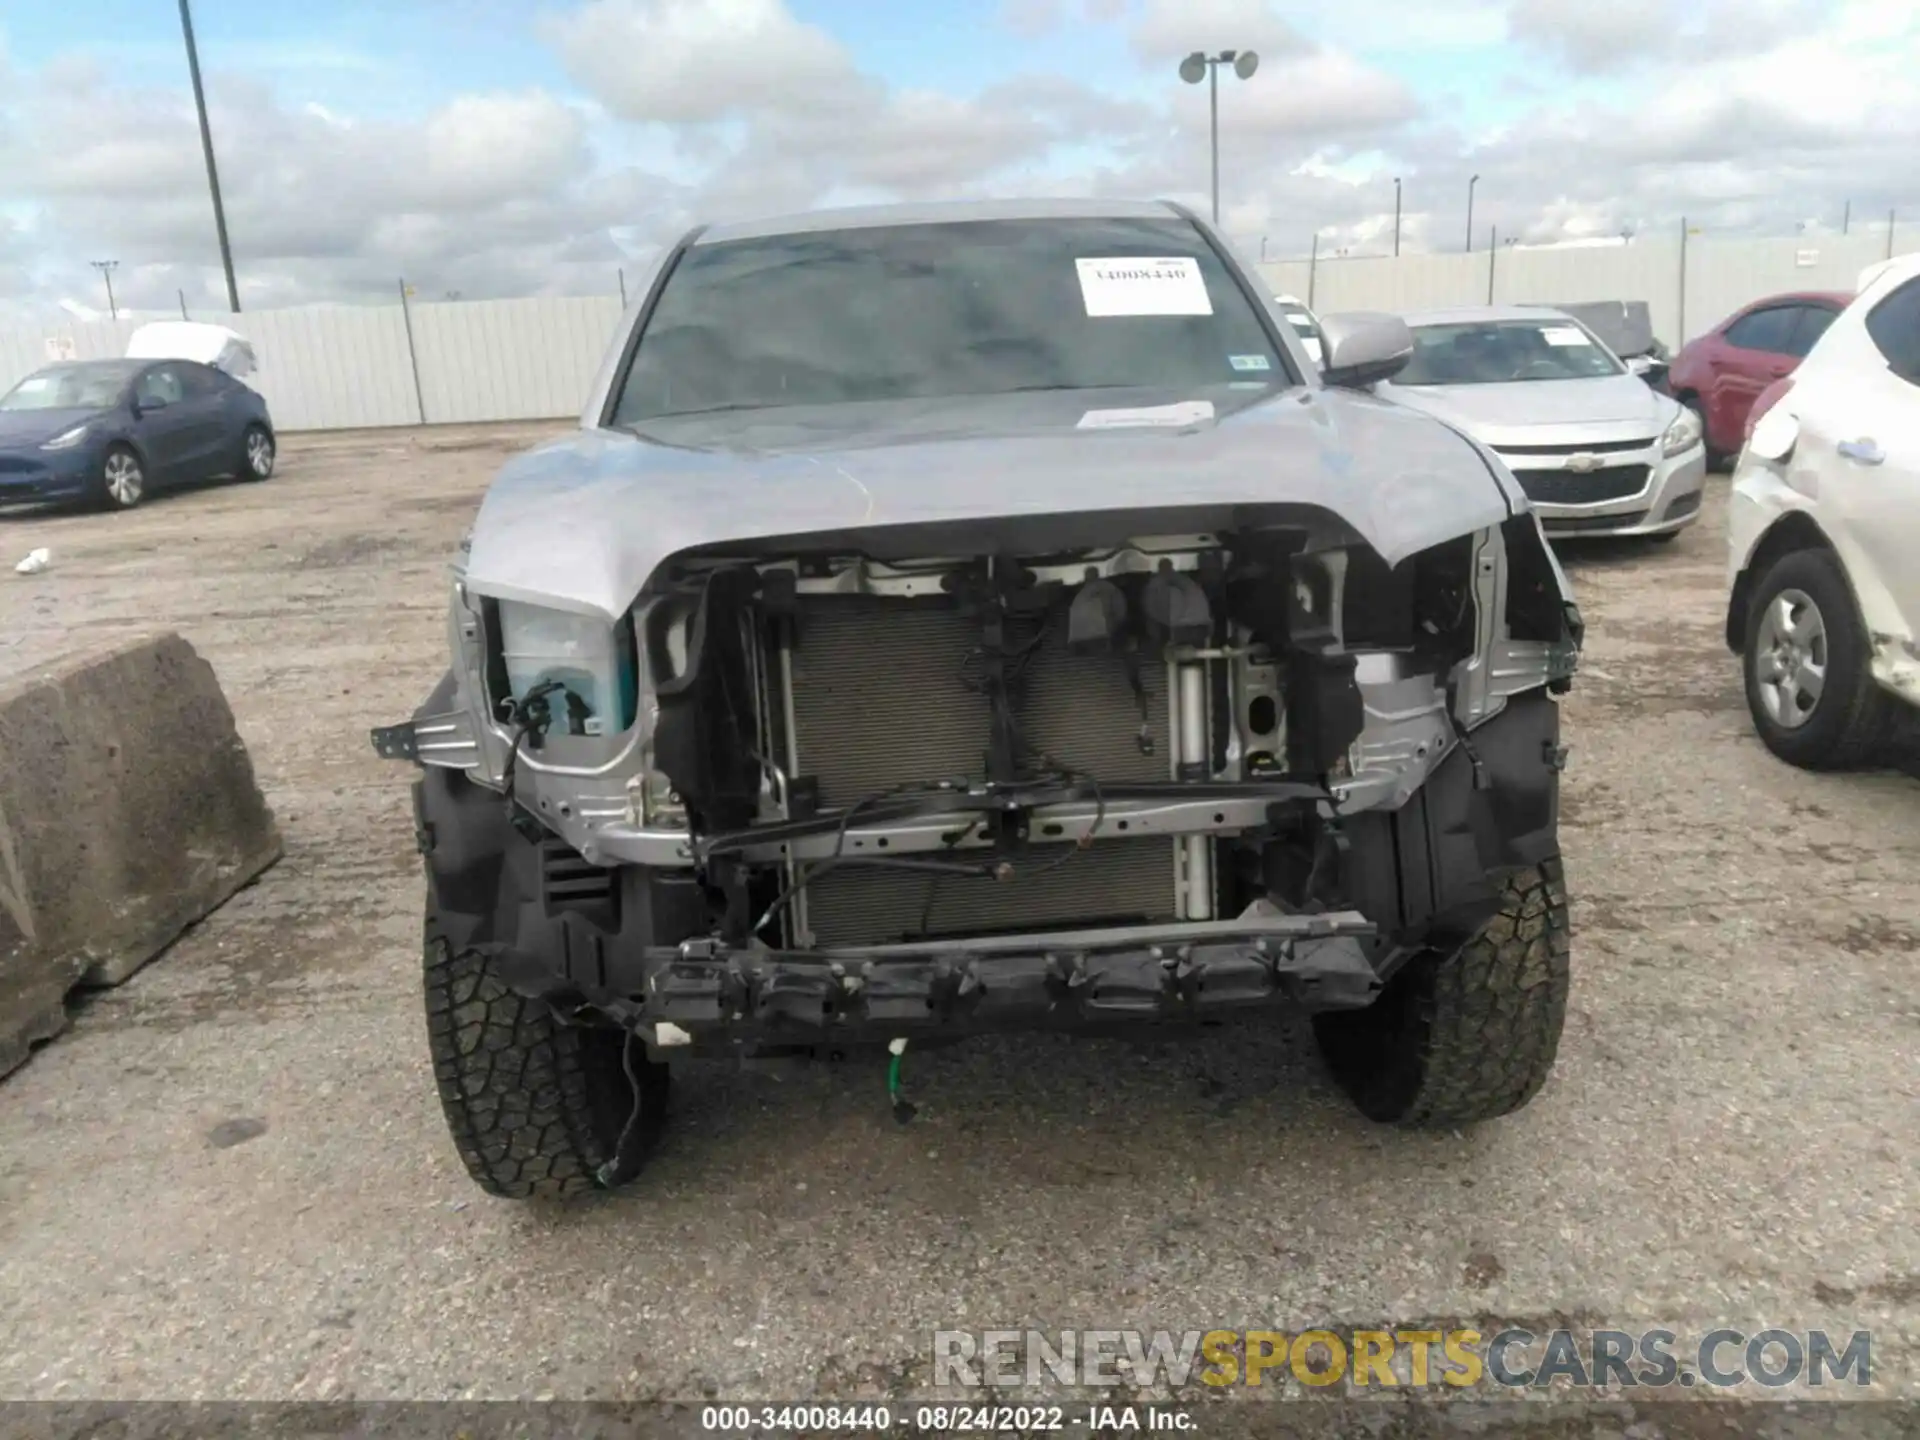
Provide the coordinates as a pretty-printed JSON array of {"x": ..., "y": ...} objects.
[{"x": 1585, "y": 463}]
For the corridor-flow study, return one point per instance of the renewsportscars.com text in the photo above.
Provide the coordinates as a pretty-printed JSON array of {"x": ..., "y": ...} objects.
[{"x": 1400, "y": 1358}]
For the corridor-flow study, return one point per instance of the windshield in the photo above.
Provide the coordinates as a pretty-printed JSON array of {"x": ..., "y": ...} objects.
[
  {"x": 925, "y": 311},
  {"x": 1499, "y": 352},
  {"x": 79, "y": 387}
]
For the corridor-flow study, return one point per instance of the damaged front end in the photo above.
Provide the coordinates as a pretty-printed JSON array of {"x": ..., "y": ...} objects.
[{"x": 804, "y": 795}]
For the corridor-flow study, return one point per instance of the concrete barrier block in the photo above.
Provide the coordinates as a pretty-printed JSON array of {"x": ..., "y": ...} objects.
[{"x": 128, "y": 810}]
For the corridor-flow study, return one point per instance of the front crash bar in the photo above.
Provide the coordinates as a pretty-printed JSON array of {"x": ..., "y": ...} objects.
[{"x": 705, "y": 989}]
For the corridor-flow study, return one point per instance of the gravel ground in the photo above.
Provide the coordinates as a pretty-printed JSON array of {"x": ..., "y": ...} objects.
[{"x": 230, "y": 1178}]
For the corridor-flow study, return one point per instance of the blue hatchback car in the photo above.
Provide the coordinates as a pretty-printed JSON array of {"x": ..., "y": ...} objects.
[{"x": 111, "y": 431}]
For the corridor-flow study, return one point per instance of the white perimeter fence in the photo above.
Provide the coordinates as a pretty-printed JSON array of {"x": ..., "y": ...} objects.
[{"x": 439, "y": 362}]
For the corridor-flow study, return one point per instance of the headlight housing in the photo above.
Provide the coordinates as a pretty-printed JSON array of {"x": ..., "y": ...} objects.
[
  {"x": 590, "y": 661},
  {"x": 1682, "y": 435},
  {"x": 67, "y": 439}
]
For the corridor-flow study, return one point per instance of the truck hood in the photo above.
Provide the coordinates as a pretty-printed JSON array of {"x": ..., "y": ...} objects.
[
  {"x": 582, "y": 523},
  {"x": 1500, "y": 413}
]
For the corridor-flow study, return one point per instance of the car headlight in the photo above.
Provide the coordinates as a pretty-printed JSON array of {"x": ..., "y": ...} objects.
[
  {"x": 67, "y": 439},
  {"x": 1682, "y": 435},
  {"x": 582, "y": 657}
]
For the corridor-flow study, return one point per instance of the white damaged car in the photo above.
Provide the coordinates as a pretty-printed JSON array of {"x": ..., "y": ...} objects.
[{"x": 1824, "y": 535}]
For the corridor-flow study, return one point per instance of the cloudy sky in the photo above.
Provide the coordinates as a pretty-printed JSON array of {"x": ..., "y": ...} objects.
[{"x": 485, "y": 147}]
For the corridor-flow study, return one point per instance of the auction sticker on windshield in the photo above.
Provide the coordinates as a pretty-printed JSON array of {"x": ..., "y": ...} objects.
[
  {"x": 1143, "y": 285},
  {"x": 1564, "y": 335}
]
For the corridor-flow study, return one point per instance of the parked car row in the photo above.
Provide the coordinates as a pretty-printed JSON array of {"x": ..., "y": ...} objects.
[{"x": 1818, "y": 395}]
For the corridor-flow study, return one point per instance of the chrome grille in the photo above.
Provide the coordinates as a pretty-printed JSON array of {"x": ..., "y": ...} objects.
[{"x": 1570, "y": 487}]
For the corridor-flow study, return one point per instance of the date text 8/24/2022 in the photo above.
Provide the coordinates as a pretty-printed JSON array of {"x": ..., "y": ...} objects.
[{"x": 944, "y": 1419}]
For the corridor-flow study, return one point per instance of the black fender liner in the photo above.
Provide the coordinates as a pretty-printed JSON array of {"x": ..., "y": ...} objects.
[
  {"x": 553, "y": 925},
  {"x": 1437, "y": 863}
]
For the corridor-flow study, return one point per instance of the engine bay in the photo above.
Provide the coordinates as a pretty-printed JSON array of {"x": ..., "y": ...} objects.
[{"x": 854, "y": 750}]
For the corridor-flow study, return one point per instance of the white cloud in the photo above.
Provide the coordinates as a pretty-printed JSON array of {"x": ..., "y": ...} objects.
[
  {"x": 482, "y": 149},
  {"x": 1169, "y": 29},
  {"x": 1606, "y": 36},
  {"x": 1593, "y": 35},
  {"x": 715, "y": 109},
  {"x": 679, "y": 61},
  {"x": 1302, "y": 96}
]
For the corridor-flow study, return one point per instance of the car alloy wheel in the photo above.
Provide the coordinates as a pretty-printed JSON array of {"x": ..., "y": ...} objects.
[
  {"x": 121, "y": 475},
  {"x": 1790, "y": 658},
  {"x": 259, "y": 453}
]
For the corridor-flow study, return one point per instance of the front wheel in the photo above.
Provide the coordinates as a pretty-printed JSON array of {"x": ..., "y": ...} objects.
[
  {"x": 257, "y": 453},
  {"x": 122, "y": 481},
  {"x": 537, "y": 1107},
  {"x": 1809, "y": 677},
  {"x": 1468, "y": 1036}
]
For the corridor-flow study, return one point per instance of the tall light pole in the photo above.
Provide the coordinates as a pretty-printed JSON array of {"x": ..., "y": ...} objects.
[
  {"x": 1470, "y": 184},
  {"x": 106, "y": 267},
  {"x": 1198, "y": 66},
  {"x": 1396, "y": 215},
  {"x": 206, "y": 148}
]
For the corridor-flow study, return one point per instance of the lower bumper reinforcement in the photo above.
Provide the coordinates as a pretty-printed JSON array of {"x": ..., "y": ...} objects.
[{"x": 704, "y": 990}]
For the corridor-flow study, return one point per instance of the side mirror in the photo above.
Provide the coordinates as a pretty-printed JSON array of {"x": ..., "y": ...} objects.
[
  {"x": 1364, "y": 347},
  {"x": 143, "y": 407}
]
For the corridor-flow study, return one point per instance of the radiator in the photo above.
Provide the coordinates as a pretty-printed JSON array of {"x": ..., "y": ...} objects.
[{"x": 877, "y": 700}]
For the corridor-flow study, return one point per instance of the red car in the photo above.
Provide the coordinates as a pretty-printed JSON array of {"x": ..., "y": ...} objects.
[{"x": 1720, "y": 374}]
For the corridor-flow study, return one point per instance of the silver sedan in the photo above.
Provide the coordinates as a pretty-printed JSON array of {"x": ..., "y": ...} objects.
[{"x": 1597, "y": 450}]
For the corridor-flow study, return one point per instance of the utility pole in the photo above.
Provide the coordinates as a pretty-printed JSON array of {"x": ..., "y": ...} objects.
[
  {"x": 1683, "y": 281},
  {"x": 106, "y": 268},
  {"x": 1846, "y": 218},
  {"x": 1470, "y": 184},
  {"x": 206, "y": 149},
  {"x": 1201, "y": 66},
  {"x": 1396, "y": 215}
]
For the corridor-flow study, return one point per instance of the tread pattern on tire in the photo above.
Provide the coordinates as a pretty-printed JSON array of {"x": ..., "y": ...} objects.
[
  {"x": 1472, "y": 1036},
  {"x": 1494, "y": 1011},
  {"x": 515, "y": 1083}
]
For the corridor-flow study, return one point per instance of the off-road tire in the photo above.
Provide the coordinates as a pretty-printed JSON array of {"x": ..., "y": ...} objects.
[
  {"x": 1854, "y": 717},
  {"x": 1468, "y": 1036},
  {"x": 536, "y": 1106}
]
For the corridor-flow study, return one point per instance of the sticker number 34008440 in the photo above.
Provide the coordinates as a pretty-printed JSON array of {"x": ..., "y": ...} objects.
[{"x": 1143, "y": 285}]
